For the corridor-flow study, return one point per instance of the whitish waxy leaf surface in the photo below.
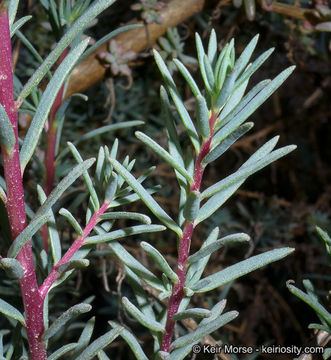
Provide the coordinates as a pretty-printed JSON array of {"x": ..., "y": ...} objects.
[
  {"x": 11, "y": 312},
  {"x": 7, "y": 136},
  {"x": 146, "y": 197},
  {"x": 240, "y": 269},
  {"x": 37, "y": 124}
]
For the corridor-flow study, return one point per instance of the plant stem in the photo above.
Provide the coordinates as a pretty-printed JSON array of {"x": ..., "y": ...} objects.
[
  {"x": 185, "y": 243},
  {"x": 15, "y": 206},
  {"x": 76, "y": 245}
]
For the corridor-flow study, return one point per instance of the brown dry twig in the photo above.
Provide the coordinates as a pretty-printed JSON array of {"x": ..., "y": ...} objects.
[{"x": 90, "y": 71}]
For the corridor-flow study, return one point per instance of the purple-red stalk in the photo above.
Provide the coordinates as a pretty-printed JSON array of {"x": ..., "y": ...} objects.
[
  {"x": 185, "y": 243},
  {"x": 33, "y": 304},
  {"x": 76, "y": 245}
]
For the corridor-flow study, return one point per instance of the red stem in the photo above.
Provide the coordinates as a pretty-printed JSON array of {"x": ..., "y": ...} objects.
[
  {"x": 76, "y": 245},
  {"x": 32, "y": 301},
  {"x": 184, "y": 245}
]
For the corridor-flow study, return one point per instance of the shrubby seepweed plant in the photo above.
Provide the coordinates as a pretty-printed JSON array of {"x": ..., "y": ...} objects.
[{"x": 39, "y": 268}]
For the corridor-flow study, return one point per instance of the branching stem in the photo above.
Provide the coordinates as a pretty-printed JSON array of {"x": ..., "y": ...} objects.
[
  {"x": 32, "y": 301},
  {"x": 185, "y": 243}
]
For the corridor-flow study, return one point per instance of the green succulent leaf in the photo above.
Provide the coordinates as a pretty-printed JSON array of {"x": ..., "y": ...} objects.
[
  {"x": 7, "y": 136},
  {"x": 246, "y": 171},
  {"x": 141, "y": 317},
  {"x": 132, "y": 342},
  {"x": 26, "y": 235},
  {"x": 164, "y": 154},
  {"x": 126, "y": 215},
  {"x": 73, "y": 264},
  {"x": 99, "y": 344},
  {"x": 53, "y": 235},
  {"x": 209, "y": 249},
  {"x": 201, "y": 55},
  {"x": 240, "y": 269},
  {"x": 221, "y": 148},
  {"x": 38, "y": 122},
  {"x": 12, "y": 267},
  {"x": 160, "y": 261},
  {"x": 146, "y": 197},
  {"x": 10, "y": 311},
  {"x": 18, "y": 24},
  {"x": 85, "y": 336},
  {"x": 61, "y": 351},
  {"x": 128, "y": 231},
  {"x": 64, "y": 318},
  {"x": 311, "y": 301},
  {"x": 187, "y": 76},
  {"x": 203, "y": 330},
  {"x": 67, "y": 214},
  {"x": 202, "y": 116},
  {"x": 192, "y": 206},
  {"x": 196, "y": 313}
]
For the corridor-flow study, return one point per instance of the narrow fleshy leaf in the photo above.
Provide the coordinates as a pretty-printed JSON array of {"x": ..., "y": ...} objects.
[
  {"x": 311, "y": 301},
  {"x": 163, "y": 153},
  {"x": 106, "y": 38},
  {"x": 63, "y": 185},
  {"x": 233, "y": 100},
  {"x": 226, "y": 91},
  {"x": 132, "y": 342},
  {"x": 140, "y": 317},
  {"x": 196, "y": 313},
  {"x": 209, "y": 72},
  {"x": 73, "y": 264},
  {"x": 203, "y": 330},
  {"x": 12, "y": 267},
  {"x": 254, "y": 66},
  {"x": 219, "y": 136},
  {"x": 259, "y": 99},
  {"x": 87, "y": 178},
  {"x": 27, "y": 234},
  {"x": 37, "y": 124},
  {"x": 102, "y": 130},
  {"x": 192, "y": 206},
  {"x": 146, "y": 198},
  {"x": 220, "y": 149},
  {"x": 117, "y": 234},
  {"x": 196, "y": 269},
  {"x": 74, "y": 223},
  {"x": 202, "y": 114},
  {"x": 7, "y": 136},
  {"x": 240, "y": 269},
  {"x": 188, "y": 77},
  {"x": 99, "y": 344},
  {"x": 126, "y": 215},
  {"x": 10, "y": 311},
  {"x": 201, "y": 54},
  {"x": 12, "y": 10},
  {"x": 212, "y": 47},
  {"x": 18, "y": 24},
  {"x": 160, "y": 261},
  {"x": 209, "y": 249},
  {"x": 245, "y": 56},
  {"x": 85, "y": 336},
  {"x": 64, "y": 318},
  {"x": 53, "y": 235},
  {"x": 223, "y": 65},
  {"x": 186, "y": 119},
  {"x": 61, "y": 351},
  {"x": 136, "y": 266},
  {"x": 246, "y": 171},
  {"x": 80, "y": 24},
  {"x": 111, "y": 187}
]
